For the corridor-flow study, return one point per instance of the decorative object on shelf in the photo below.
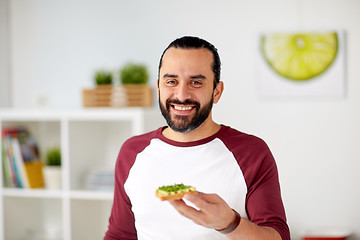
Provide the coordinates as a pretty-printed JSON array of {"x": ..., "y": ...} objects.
[
  {"x": 132, "y": 95},
  {"x": 134, "y": 74},
  {"x": 133, "y": 90},
  {"x": 103, "y": 77},
  {"x": 101, "y": 95},
  {"x": 52, "y": 169}
]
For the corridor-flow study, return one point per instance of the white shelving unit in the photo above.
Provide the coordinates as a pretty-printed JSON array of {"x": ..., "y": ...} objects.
[{"x": 89, "y": 139}]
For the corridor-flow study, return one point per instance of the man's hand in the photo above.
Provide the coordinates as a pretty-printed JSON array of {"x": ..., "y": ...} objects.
[{"x": 212, "y": 211}]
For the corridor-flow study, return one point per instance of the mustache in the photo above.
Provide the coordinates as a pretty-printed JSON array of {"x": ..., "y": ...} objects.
[{"x": 186, "y": 102}]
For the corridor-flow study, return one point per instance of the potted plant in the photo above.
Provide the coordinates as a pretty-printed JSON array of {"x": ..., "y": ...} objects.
[
  {"x": 103, "y": 77},
  {"x": 134, "y": 74},
  {"x": 134, "y": 79},
  {"x": 52, "y": 169},
  {"x": 101, "y": 95}
]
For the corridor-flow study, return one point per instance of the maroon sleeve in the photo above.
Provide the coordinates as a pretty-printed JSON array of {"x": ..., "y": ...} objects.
[
  {"x": 264, "y": 205},
  {"x": 263, "y": 201},
  {"x": 122, "y": 221}
]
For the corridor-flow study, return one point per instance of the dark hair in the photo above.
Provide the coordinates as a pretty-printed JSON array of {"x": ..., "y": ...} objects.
[{"x": 189, "y": 42}]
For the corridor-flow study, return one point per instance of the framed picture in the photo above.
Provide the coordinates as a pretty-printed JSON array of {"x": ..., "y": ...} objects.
[{"x": 301, "y": 64}]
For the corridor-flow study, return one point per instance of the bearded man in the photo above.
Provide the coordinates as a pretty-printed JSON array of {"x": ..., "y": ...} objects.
[{"x": 235, "y": 175}]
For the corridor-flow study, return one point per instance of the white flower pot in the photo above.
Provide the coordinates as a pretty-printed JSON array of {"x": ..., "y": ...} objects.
[{"x": 52, "y": 177}]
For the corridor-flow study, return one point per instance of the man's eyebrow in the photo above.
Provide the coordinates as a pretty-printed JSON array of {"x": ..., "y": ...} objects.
[
  {"x": 167, "y": 75},
  {"x": 199, "y": 76}
]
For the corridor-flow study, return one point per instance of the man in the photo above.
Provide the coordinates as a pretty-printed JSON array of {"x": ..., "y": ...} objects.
[{"x": 234, "y": 173}]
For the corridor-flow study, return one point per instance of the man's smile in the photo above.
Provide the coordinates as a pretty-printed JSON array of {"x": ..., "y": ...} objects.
[{"x": 180, "y": 109}]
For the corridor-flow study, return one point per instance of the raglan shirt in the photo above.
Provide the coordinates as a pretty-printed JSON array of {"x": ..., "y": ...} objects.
[{"x": 238, "y": 167}]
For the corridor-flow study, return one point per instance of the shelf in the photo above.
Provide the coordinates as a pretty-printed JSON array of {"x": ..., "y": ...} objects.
[
  {"x": 89, "y": 139},
  {"x": 91, "y": 195},
  {"x": 32, "y": 193},
  {"x": 44, "y": 193},
  {"x": 86, "y": 114}
]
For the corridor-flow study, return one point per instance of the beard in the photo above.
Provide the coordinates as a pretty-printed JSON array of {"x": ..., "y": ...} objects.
[{"x": 185, "y": 124}]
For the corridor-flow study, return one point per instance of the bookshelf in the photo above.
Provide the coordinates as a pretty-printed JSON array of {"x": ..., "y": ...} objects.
[{"x": 89, "y": 139}]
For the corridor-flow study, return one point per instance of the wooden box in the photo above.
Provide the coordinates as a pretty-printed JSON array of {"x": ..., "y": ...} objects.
[
  {"x": 127, "y": 95},
  {"x": 100, "y": 96}
]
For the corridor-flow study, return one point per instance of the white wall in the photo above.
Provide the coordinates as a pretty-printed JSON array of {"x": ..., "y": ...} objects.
[
  {"x": 57, "y": 45},
  {"x": 4, "y": 55}
]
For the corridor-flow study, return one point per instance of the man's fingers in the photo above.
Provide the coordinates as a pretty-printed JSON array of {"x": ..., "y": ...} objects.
[
  {"x": 210, "y": 210},
  {"x": 184, "y": 209},
  {"x": 202, "y": 200},
  {"x": 210, "y": 198},
  {"x": 200, "y": 196},
  {"x": 189, "y": 212}
]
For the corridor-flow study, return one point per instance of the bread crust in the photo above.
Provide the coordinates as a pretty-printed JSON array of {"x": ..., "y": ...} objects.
[{"x": 176, "y": 196}]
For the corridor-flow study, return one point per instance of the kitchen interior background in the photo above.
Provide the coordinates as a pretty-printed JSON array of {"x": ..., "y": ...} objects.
[{"x": 49, "y": 51}]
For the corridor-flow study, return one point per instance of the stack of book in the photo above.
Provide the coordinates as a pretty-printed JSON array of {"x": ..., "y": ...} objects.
[
  {"x": 22, "y": 166},
  {"x": 100, "y": 180}
]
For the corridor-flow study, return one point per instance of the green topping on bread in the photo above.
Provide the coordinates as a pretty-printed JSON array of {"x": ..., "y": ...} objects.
[
  {"x": 175, "y": 188},
  {"x": 175, "y": 191}
]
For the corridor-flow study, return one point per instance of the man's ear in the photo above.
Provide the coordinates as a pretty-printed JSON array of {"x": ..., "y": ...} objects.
[
  {"x": 218, "y": 91},
  {"x": 157, "y": 89}
]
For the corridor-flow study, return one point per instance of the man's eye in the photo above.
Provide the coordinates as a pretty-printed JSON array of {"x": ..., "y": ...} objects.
[
  {"x": 170, "y": 82},
  {"x": 196, "y": 83}
]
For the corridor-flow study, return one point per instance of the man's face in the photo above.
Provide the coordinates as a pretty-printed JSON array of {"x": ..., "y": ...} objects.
[{"x": 185, "y": 89}]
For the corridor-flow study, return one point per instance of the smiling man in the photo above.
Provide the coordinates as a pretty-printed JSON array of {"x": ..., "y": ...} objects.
[
  {"x": 235, "y": 175},
  {"x": 186, "y": 93}
]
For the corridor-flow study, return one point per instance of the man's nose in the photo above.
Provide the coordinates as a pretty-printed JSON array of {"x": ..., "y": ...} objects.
[{"x": 183, "y": 92}]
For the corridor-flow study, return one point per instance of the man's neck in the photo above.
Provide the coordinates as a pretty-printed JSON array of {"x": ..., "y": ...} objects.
[{"x": 205, "y": 130}]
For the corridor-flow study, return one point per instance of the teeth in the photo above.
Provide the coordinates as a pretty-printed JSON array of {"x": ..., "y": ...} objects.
[{"x": 182, "y": 108}]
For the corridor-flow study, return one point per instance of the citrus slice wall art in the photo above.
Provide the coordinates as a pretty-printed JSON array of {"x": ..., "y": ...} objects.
[{"x": 301, "y": 64}]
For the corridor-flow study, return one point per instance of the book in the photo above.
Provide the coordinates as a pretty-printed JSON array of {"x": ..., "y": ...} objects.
[
  {"x": 22, "y": 154},
  {"x": 12, "y": 161},
  {"x": 8, "y": 175},
  {"x": 19, "y": 162}
]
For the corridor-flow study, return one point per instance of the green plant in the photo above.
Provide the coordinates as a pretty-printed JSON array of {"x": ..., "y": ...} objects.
[
  {"x": 134, "y": 74},
  {"x": 103, "y": 77},
  {"x": 53, "y": 157}
]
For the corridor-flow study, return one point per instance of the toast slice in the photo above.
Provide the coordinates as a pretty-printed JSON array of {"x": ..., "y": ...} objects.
[{"x": 174, "y": 192}]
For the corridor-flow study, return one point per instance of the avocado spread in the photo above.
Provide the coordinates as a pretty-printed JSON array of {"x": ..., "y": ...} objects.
[{"x": 176, "y": 188}]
